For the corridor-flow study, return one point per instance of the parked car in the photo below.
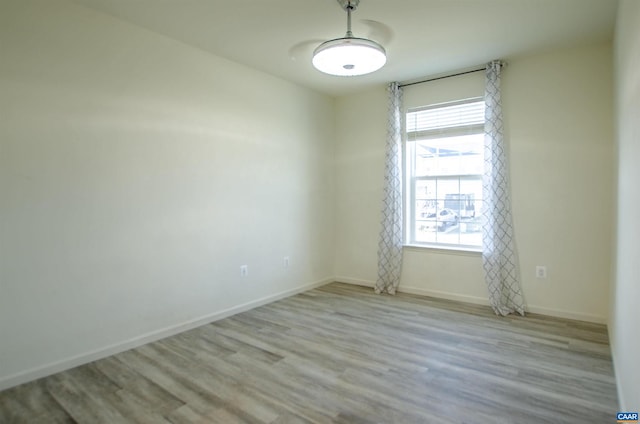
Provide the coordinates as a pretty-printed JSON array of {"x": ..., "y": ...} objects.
[{"x": 443, "y": 219}]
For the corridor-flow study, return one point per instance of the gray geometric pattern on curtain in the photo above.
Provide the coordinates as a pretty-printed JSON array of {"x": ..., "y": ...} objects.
[
  {"x": 499, "y": 256},
  {"x": 390, "y": 241}
]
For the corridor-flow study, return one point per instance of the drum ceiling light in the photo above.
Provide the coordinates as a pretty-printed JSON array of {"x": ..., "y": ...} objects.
[{"x": 349, "y": 55}]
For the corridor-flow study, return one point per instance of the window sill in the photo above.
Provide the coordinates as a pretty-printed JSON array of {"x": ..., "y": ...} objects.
[{"x": 447, "y": 250}]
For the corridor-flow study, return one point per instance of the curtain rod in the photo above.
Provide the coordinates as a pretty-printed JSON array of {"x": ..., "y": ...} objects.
[{"x": 442, "y": 77}]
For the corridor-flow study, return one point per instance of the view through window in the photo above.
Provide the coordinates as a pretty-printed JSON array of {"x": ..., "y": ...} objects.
[{"x": 444, "y": 165}]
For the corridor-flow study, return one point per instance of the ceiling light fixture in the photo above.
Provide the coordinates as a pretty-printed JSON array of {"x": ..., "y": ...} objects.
[{"x": 349, "y": 55}]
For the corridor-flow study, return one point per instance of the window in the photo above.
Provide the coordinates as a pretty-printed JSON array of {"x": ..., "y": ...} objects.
[{"x": 444, "y": 165}]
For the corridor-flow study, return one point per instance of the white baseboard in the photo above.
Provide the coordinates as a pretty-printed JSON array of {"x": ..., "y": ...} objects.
[
  {"x": 444, "y": 295},
  {"x": 622, "y": 404},
  {"x": 354, "y": 281},
  {"x": 418, "y": 291},
  {"x": 579, "y": 316},
  {"x": 84, "y": 358}
]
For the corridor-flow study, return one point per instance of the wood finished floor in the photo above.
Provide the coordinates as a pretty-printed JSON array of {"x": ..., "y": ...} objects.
[{"x": 341, "y": 354}]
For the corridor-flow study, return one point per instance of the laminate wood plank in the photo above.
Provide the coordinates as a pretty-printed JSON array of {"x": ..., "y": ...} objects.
[
  {"x": 243, "y": 396},
  {"x": 342, "y": 354},
  {"x": 221, "y": 381},
  {"x": 81, "y": 404},
  {"x": 137, "y": 389},
  {"x": 32, "y": 403},
  {"x": 173, "y": 381},
  {"x": 289, "y": 418},
  {"x": 282, "y": 385}
]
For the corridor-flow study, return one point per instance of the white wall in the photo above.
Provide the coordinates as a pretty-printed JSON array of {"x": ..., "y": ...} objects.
[
  {"x": 558, "y": 123},
  {"x": 559, "y": 117},
  {"x": 359, "y": 165},
  {"x": 136, "y": 175},
  {"x": 624, "y": 318}
]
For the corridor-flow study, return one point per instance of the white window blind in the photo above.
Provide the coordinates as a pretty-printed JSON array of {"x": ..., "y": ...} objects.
[{"x": 464, "y": 116}]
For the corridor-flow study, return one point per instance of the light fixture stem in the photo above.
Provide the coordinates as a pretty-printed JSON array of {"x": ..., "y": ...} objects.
[{"x": 349, "y": 9}]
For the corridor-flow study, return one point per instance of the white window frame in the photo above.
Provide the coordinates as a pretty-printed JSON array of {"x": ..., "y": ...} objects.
[{"x": 411, "y": 179}]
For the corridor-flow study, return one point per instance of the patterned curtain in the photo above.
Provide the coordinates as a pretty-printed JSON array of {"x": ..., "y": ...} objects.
[
  {"x": 498, "y": 248},
  {"x": 390, "y": 244}
]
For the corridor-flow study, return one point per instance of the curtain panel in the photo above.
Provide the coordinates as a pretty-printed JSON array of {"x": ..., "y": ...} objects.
[
  {"x": 390, "y": 241},
  {"x": 499, "y": 256}
]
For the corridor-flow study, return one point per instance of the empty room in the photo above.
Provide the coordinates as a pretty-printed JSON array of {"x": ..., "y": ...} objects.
[{"x": 326, "y": 211}]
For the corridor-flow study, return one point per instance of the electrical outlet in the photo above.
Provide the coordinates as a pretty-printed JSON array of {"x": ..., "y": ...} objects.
[
  {"x": 541, "y": 271},
  {"x": 244, "y": 270},
  {"x": 285, "y": 262}
]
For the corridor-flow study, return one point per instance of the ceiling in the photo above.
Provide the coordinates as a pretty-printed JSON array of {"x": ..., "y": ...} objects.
[{"x": 429, "y": 37}]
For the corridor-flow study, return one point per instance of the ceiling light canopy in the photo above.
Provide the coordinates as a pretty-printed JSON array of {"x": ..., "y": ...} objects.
[{"x": 349, "y": 55}]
